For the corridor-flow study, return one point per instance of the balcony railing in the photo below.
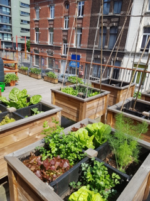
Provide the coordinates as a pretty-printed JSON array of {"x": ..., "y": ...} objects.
[{"x": 5, "y": 30}]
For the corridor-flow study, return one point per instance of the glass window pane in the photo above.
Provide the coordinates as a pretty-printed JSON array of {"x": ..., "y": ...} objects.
[{"x": 117, "y": 7}]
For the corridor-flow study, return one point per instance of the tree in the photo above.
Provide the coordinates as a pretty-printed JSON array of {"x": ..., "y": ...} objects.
[{"x": 28, "y": 45}]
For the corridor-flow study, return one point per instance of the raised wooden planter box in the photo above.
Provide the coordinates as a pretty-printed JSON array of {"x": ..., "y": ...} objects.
[
  {"x": 117, "y": 93},
  {"x": 24, "y": 72},
  {"x": 145, "y": 96},
  {"x": 77, "y": 109},
  {"x": 36, "y": 76},
  {"x": 137, "y": 117},
  {"x": 52, "y": 80},
  {"x": 25, "y": 185},
  {"x": 68, "y": 83},
  {"x": 14, "y": 136}
]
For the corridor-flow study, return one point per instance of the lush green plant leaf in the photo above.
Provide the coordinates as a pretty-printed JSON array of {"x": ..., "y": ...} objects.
[{"x": 35, "y": 99}]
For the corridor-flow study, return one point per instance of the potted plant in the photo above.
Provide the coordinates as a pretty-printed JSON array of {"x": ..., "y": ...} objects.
[
  {"x": 117, "y": 88},
  {"x": 11, "y": 79},
  {"x": 23, "y": 70},
  {"x": 73, "y": 80},
  {"x": 51, "y": 77},
  {"x": 35, "y": 73},
  {"x": 79, "y": 103}
]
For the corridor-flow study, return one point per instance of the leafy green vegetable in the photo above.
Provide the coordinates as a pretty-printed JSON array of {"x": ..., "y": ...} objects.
[
  {"x": 10, "y": 77},
  {"x": 70, "y": 90},
  {"x": 24, "y": 68},
  {"x": 18, "y": 99},
  {"x": 7, "y": 120},
  {"x": 99, "y": 131},
  {"x": 51, "y": 75},
  {"x": 75, "y": 80},
  {"x": 83, "y": 137},
  {"x": 36, "y": 111},
  {"x": 35, "y": 71},
  {"x": 84, "y": 194}
]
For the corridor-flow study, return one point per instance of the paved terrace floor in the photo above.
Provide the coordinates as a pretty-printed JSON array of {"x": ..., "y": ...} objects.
[{"x": 33, "y": 87}]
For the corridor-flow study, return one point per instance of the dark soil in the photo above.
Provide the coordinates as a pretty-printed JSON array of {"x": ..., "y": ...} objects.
[
  {"x": 132, "y": 168},
  {"x": 76, "y": 129}
]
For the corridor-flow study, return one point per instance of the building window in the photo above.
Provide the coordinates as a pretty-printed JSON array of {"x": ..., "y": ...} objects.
[
  {"x": 37, "y": 35},
  {"x": 25, "y": 30},
  {"x": 113, "y": 37},
  {"x": 78, "y": 37},
  {"x": 24, "y": 5},
  {"x": 66, "y": 22},
  {"x": 37, "y": 11},
  {"x": 146, "y": 35},
  {"x": 52, "y": 12},
  {"x": 51, "y": 33},
  {"x": 5, "y": 2},
  {"x": 37, "y": 60},
  {"x": 7, "y": 37},
  {"x": 106, "y": 7},
  {"x": 4, "y": 27},
  {"x": 148, "y": 5},
  {"x": 80, "y": 8},
  {"x": 116, "y": 70},
  {"x": 50, "y": 63},
  {"x": 25, "y": 13},
  {"x": 4, "y": 10},
  {"x": 67, "y": 5},
  {"x": 4, "y": 19},
  {"x": 25, "y": 22},
  {"x": 65, "y": 47},
  {"x": 117, "y": 6},
  {"x": 104, "y": 37}
]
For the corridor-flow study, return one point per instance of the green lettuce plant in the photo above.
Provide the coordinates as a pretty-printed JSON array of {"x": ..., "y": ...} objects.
[
  {"x": 75, "y": 80},
  {"x": 10, "y": 77},
  {"x": 24, "y": 68},
  {"x": 18, "y": 99}
]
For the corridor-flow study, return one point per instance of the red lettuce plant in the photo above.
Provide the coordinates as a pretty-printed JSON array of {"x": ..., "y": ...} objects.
[{"x": 49, "y": 169}]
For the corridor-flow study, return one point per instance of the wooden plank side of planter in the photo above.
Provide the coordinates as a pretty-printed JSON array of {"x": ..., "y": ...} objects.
[
  {"x": 36, "y": 76},
  {"x": 116, "y": 95},
  {"x": 145, "y": 97},
  {"x": 21, "y": 136},
  {"x": 52, "y": 80},
  {"x": 24, "y": 72}
]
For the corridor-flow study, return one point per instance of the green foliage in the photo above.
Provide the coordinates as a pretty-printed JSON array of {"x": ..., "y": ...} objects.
[
  {"x": 97, "y": 179},
  {"x": 35, "y": 71},
  {"x": 10, "y": 77},
  {"x": 85, "y": 194},
  {"x": 51, "y": 75},
  {"x": 36, "y": 111},
  {"x": 139, "y": 95},
  {"x": 6, "y": 120},
  {"x": 126, "y": 147},
  {"x": 66, "y": 146},
  {"x": 24, "y": 68},
  {"x": 79, "y": 89},
  {"x": 18, "y": 99},
  {"x": 75, "y": 80},
  {"x": 99, "y": 131},
  {"x": 28, "y": 45}
]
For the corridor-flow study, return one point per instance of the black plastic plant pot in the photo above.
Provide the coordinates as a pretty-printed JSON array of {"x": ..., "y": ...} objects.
[
  {"x": 3, "y": 108},
  {"x": 10, "y": 115},
  {"x": 104, "y": 150},
  {"x": 61, "y": 185},
  {"x": 27, "y": 111}
]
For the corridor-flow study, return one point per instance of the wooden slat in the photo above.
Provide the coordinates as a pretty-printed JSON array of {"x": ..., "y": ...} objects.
[{"x": 12, "y": 185}]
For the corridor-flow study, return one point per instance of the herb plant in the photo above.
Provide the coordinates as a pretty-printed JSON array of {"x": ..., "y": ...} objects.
[
  {"x": 35, "y": 71},
  {"x": 51, "y": 75},
  {"x": 36, "y": 111},
  {"x": 97, "y": 179},
  {"x": 10, "y": 77},
  {"x": 139, "y": 95},
  {"x": 24, "y": 68},
  {"x": 75, "y": 80},
  {"x": 124, "y": 143},
  {"x": 7, "y": 120},
  {"x": 18, "y": 99}
]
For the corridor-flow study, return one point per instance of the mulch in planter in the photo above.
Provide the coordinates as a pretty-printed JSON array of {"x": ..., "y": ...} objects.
[{"x": 74, "y": 129}]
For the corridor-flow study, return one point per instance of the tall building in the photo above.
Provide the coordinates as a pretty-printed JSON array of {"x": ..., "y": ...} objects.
[
  {"x": 14, "y": 22},
  {"x": 54, "y": 30},
  {"x": 137, "y": 38}
]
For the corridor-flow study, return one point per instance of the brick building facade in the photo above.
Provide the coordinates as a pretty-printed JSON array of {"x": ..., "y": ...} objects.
[{"x": 54, "y": 27}]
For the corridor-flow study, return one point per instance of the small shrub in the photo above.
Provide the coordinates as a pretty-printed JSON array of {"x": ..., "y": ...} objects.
[
  {"x": 51, "y": 75},
  {"x": 75, "y": 80},
  {"x": 24, "y": 68},
  {"x": 10, "y": 77},
  {"x": 35, "y": 71}
]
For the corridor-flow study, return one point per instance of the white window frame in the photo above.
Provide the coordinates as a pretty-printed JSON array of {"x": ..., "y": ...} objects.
[
  {"x": 66, "y": 22},
  {"x": 52, "y": 11},
  {"x": 80, "y": 8},
  {"x": 51, "y": 35},
  {"x": 37, "y": 34},
  {"x": 64, "y": 48},
  {"x": 37, "y": 16},
  {"x": 35, "y": 60},
  {"x": 147, "y": 36},
  {"x": 78, "y": 38}
]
